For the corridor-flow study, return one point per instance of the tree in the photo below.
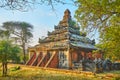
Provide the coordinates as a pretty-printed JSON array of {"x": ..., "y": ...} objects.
[
  {"x": 103, "y": 15},
  {"x": 96, "y": 14},
  {"x": 110, "y": 41},
  {"x": 24, "y": 5},
  {"x": 21, "y": 32},
  {"x": 7, "y": 52}
]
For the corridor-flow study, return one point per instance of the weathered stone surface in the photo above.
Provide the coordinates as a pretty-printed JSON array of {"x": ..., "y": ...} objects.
[{"x": 68, "y": 44}]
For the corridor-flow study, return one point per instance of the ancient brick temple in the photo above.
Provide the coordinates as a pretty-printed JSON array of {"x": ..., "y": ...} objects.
[{"x": 62, "y": 47}]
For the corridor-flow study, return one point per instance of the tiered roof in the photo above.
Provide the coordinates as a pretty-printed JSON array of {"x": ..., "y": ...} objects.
[{"x": 66, "y": 34}]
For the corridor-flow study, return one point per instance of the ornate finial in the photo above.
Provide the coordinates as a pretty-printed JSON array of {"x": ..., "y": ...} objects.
[
  {"x": 67, "y": 11},
  {"x": 66, "y": 18},
  {"x": 67, "y": 15}
]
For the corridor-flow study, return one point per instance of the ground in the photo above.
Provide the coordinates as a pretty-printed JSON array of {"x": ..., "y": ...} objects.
[{"x": 37, "y": 73}]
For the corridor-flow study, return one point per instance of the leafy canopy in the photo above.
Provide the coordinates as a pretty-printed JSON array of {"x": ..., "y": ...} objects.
[
  {"x": 21, "y": 32},
  {"x": 96, "y": 14},
  {"x": 104, "y": 16},
  {"x": 110, "y": 40},
  {"x": 8, "y": 51}
]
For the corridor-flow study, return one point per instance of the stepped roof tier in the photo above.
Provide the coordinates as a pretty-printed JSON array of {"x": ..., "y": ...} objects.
[{"x": 66, "y": 34}]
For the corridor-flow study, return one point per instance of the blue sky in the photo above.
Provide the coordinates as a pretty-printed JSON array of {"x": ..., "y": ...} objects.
[{"x": 42, "y": 17}]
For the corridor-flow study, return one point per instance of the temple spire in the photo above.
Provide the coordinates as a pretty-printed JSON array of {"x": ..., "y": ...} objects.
[
  {"x": 67, "y": 15},
  {"x": 66, "y": 18}
]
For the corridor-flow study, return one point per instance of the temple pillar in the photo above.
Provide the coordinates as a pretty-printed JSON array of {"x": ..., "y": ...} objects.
[
  {"x": 31, "y": 53},
  {"x": 70, "y": 59},
  {"x": 37, "y": 53}
]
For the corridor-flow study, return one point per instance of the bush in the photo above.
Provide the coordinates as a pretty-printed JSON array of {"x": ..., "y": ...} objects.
[{"x": 15, "y": 68}]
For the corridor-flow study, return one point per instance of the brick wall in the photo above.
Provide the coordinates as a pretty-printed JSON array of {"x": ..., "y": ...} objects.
[
  {"x": 89, "y": 56},
  {"x": 98, "y": 55},
  {"x": 39, "y": 57},
  {"x": 31, "y": 59},
  {"x": 74, "y": 56},
  {"x": 45, "y": 60},
  {"x": 54, "y": 62},
  {"x": 83, "y": 54}
]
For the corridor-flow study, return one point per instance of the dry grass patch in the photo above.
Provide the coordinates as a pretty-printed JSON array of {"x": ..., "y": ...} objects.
[{"x": 37, "y": 73}]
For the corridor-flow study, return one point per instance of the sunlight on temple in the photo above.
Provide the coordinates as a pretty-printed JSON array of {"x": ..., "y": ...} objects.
[{"x": 63, "y": 47}]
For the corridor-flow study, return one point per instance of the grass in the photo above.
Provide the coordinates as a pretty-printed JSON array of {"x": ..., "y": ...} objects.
[{"x": 36, "y": 73}]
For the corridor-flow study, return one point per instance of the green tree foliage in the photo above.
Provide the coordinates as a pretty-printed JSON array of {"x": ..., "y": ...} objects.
[
  {"x": 96, "y": 14},
  {"x": 110, "y": 40},
  {"x": 103, "y": 15},
  {"x": 21, "y": 32},
  {"x": 8, "y": 52}
]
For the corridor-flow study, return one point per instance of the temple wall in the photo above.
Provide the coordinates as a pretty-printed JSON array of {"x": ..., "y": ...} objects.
[
  {"x": 74, "y": 56},
  {"x": 63, "y": 59},
  {"x": 62, "y": 47},
  {"x": 31, "y": 54},
  {"x": 77, "y": 55},
  {"x": 67, "y": 58},
  {"x": 98, "y": 55},
  {"x": 54, "y": 61}
]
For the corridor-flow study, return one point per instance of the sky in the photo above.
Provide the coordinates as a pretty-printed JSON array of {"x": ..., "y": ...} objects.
[{"x": 42, "y": 17}]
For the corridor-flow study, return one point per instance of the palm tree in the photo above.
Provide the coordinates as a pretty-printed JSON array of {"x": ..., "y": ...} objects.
[{"x": 21, "y": 31}]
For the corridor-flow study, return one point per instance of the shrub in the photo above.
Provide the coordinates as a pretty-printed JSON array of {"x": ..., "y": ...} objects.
[{"x": 15, "y": 68}]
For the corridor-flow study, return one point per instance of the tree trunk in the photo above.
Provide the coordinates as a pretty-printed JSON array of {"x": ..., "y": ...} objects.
[
  {"x": 4, "y": 71},
  {"x": 24, "y": 53},
  {"x": 5, "y": 68}
]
